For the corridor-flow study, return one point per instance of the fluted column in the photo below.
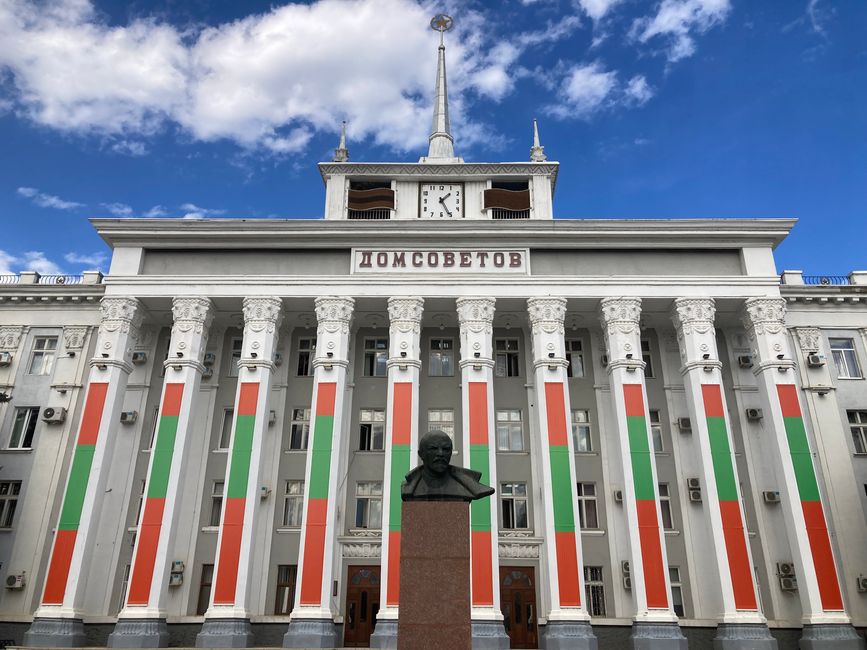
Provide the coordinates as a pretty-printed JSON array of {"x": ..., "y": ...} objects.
[
  {"x": 312, "y": 622},
  {"x": 476, "y": 317},
  {"x": 141, "y": 623},
  {"x": 826, "y": 623},
  {"x": 742, "y": 625},
  {"x": 58, "y": 622},
  {"x": 568, "y": 622},
  {"x": 655, "y": 623},
  {"x": 227, "y": 621},
  {"x": 401, "y": 446}
]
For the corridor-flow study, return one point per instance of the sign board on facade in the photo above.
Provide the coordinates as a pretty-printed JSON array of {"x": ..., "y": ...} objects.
[{"x": 434, "y": 260}]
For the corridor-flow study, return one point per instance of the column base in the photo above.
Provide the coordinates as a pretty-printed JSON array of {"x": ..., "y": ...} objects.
[
  {"x": 744, "y": 636},
  {"x": 828, "y": 637},
  {"x": 563, "y": 635},
  {"x": 225, "y": 633},
  {"x": 139, "y": 633},
  {"x": 657, "y": 636},
  {"x": 311, "y": 633},
  {"x": 489, "y": 635},
  {"x": 55, "y": 633},
  {"x": 384, "y": 635}
]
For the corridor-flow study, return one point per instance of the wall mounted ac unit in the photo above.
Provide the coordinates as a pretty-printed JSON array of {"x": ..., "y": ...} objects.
[
  {"x": 754, "y": 414},
  {"x": 16, "y": 581},
  {"x": 624, "y": 567},
  {"x": 861, "y": 583},
  {"x": 684, "y": 425},
  {"x": 138, "y": 358},
  {"x": 627, "y": 583},
  {"x": 695, "y": 496},
  {"x": 618, "y": 496},
  {"x": 693, "y": 484},
  {"x": 128, "y": 417},
  {"x": 745, "y": 361},
  {"x": 815, "y": 360},
  {"x": 54, "y": 414},
  {"x": 5, "y": 358},
  {"x": 785, "y": 569},
  {"x": 788, "y": 583},
  {"x": 771, "y": 496}
]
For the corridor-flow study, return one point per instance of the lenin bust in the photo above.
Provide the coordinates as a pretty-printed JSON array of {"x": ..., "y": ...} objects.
[{"x": 437, "y": 479}]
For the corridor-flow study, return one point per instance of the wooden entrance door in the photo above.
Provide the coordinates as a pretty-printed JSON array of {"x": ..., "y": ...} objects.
[
  {"x": 362, "y": 606},
  {"x": 518, "y": 602}
]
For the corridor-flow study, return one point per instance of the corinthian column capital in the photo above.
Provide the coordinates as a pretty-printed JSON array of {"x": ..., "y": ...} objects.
[
  {"x": 693, "y": 315},
  {"x": 764, "y": 316},
  {"x": 404, "y": 314},
  {"x": 547, "y": 315},
  {"x": 263, "y": 314}
]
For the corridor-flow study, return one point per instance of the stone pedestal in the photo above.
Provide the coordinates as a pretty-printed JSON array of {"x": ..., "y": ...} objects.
[
  {"x": 434, "y": 576},
  {"x": 55, "y": 633}
]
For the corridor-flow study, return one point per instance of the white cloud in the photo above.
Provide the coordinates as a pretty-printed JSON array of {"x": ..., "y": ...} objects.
[
  {"x": 129, "y": 147},
  {"x": 596, "y": 9},
  {"x": 638, "y": 91},
  {"x": 585, "y": 89},
  {"x": 6, "y": 263},
  {"x": 193, "y": 211},
  {"x": 93, "y": 260},
  {"x": 36, "y": 261},
  {"x": 44, "y": 200},
  {"x": 677, "y": 20},
  {"x": 118, "y": 209},
  {"x": 155, "y": 212}
]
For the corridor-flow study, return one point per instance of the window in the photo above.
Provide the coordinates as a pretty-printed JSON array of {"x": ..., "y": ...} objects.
[
  {"x": 216, "y": 503},
  {"x": 154, "y": 428},
  {"x": 124, "y": 585},
  {"x": 42, "y": 355},
  {"x": 843, "y": 351},
  {"x": 594, "y": 590},
  {"x": 575, "y": 357},
  {"x": 9, "y": 492},
  {"x": 441, "y": 362},
  {"x": 306, "y": 350},
  {"x": 286, "y": 576},
  {"x": 676, "y": 590},
  {"x": 442, "y": 419},
  {"x": 205, "y": 589},
  {"x": 226, "y": 429},
  {"x": 141, "y": 493},
  {"x": 581, "y": 441},
  {"x": 368, "y": 504},
  {"x": 645, "y": 356},
  {"x": 656, "y": 432},
  {"x": 506, "y": 357},
  {"x": 665, "y": 507},
  {"x": 23, "y": 428},
  {"x": 513, "y": 497},
  {"x": 300, "y": 429},
  {"x": 234, "y": 356},
  {"x": 510, "y": 430},
  {"x": 371, "y": 425},
  {"x": 375, "y": 357},
  {"x": 858, "y": 427},
  {"x": 587, "y": 514},
  {"x": 293, "y": 503}
]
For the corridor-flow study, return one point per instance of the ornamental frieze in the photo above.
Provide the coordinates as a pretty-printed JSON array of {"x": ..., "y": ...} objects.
[
  {"x": 73, "y": 336},
  {"x": 10, "y": 336}
]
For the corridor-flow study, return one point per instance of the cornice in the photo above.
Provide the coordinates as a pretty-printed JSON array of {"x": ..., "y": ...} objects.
[
  {"x": 73, "y": 295},
  {"x": 419, "y": 171}
]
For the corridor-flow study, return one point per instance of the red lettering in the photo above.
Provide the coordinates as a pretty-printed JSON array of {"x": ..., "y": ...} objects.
[
  {"x": 466, "y": 259},
  {"x": 417, "y": 258},
  {"x": 382, "y": 259},
  {"x": 499, "y": 260},
  {"x": 448, "y": 258},
  {"x": 433, "y": 259},
  {"x": 514, "y": 260},
  {"x": 481, "y": 256},
  {"x": 365, "y": 260},
  {"x": 399, "y": 259}
]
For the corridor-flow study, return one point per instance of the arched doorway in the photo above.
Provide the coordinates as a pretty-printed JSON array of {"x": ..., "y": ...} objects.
[
  {"x": 518, "y": 602},
  {"x": 362, "y": 606}
]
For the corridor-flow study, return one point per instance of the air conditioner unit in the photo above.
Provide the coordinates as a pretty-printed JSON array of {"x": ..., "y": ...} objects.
[
  {"x": 209, "y": 359},
  {"x": 177, "y": 566},
  {"x": 5, "y": 358},
  {"x": 695, "y": 496},
  {"x": 618, "y": 496},
  {"x": 176, "y": 579},
  {"x": 604, "y": 360},
  {"x": 138, "y": 358},
  {"x": 684, "y": 425},
  {"x": 789, "y": 583},
  {"x": 278, "y": 359},
  {"x": 208, "y": 372},
  {"x": 745, "y": 361},
  {"x": 627, "y": 583},
  {"x": 624, "y": 567},
  {"x": 815, "y": 360},
  {"x": 272, "y": 418},
  {"x": 16, "y": 581},
  {"x": 771, "y": 496},
  {"x": 754, "y": 414},
  {"x": 128, "y": 417},
  {"x": 785, "y": 569},
  {"x": 693, "y": 484},
  {"x": 861, "y": 583},
  {"x": 54, "y": 414}
]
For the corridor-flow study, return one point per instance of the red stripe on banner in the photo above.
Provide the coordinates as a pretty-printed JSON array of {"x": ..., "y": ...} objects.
[
  {"x": 401, "y": 416},
  {"x": 555, "y": 409},
  {"x": 738, "y": 557},
  {"x": 145, "y": 558},
  {"x": 58, "y": 571},
  {"x": 651, "y": 555},
  {"x": 634, "y": 398},
  {"x": 172, "y": 397},
  {"x": 789, "y": 400},
  {"x": 712, "y": 398},
  {"x": 478, "y": 397},
  {"x": 314, "y": 551},
  {"x": 567, "y": 570},
  {"x": 483, "y": 579},
  {"x": 392, "y": 595},
  {"x": 325, "y": 398},
  {"x": 88, "y": 432},
  {"x": 230, "y": 552},
  {"x": 248, "y": 398},
  {"x": 823, "y": 556}
]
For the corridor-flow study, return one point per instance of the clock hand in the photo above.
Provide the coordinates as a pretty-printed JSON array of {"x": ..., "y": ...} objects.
[{"x": 445, "y": 197}]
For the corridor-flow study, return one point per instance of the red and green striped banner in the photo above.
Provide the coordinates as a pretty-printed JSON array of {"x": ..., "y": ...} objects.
[
  {"x": 811, "y": 503},
  {"x": 73, "y": 499},
  {"x": 401, "y": 435},
  {"x": 155, "y": 497},
  {"x": 568, "y": 579},
  {"x": 734, "y": 533},
  {"x": 317, "y": 495},
  {"x": 480, "y": 510},
  {"x": 645, "y": 497},
  {"x": 232, "y": 523}
]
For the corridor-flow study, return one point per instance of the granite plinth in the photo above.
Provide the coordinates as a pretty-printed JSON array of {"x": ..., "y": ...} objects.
[
  {"x": 434, "y": 576},
  {"x": 55, "y": 633},
  {"x": 828, "y": 637}
]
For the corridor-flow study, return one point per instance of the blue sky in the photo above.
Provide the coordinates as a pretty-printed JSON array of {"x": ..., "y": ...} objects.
[{"x": 219, "y": 108}]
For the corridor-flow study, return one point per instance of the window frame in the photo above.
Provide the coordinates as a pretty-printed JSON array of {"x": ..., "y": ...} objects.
[
  {"x": 858, "y": 427},
  {"x": 511, "y": 424},
  {"x": 305, "y": 356},
  {"x": 226, "y": 435},
  {"x": 654, "y": 421},
  {"x": 575, "y": 347},
  {"x": 842, "y": 360},
  {"x": 579, "y": 424},
  {"x": 594, "y": 584},
  {"x": 217, "y": 497},
  {"x": 10, "y": 492},
  {"x": 509, "y": 500},
  {"x": 375, "y": 360},
  {"x": 441, "y": 354},
  {"x": 647, "y": 358},
  {"x": 302, "y": 424},
  {"x": 664, "y": 491},
  {"x": 286, "y": 589},
  {"x": 297, "y": 499},
  {"x": 234, "y": 355},
  {"x": 47, "y": 355},
  {"x": 207, "y": 570},
  {"x": 444, "y": 425},
  {"x": 676, "y": 588},
  {"x": 585, "y": 502},
  {"x": 368, "y": 424},
  {"x": 27, "y": 430},
  {"x": 511, "y": 358},
  {"x": 365, "y": 505}
]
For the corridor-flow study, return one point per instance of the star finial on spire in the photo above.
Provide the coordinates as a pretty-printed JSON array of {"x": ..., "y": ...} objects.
[
  {"x": 537, "y": 151},
  {"x": 341, "y": 154},
  {"x": 441, "y": 143}
]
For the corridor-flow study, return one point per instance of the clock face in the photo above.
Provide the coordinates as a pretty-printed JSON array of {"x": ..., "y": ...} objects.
[{"x": 441, "y": 201}]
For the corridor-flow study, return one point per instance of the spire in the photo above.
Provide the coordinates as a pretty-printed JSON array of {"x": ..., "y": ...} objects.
[
  {"x": 341, "y": 154},
  {"x": 441, "y": 144},
  {"x": 537, "y": 151}
]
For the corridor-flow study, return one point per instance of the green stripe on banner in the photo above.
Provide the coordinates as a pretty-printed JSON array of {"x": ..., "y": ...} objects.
[
  {"x": 242, "y": 451},
  {"x": 639, "y": 452},
  {"x": 480, "y": 510},
  {"x": 721, "y": 455},
  {"x": 802, "y": 459},
  {"x": 399, "y": 469},
  {"x": 479, "y": 459},
  {"x": 320, "y": 463},
  {"x": 162, "y": 452},
  {"x": 76, "y": 489},
  {"x": 561, "y": 490}
]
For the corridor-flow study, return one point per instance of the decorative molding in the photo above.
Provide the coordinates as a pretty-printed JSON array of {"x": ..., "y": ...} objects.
[
  {"x": 74, "y": 336},
  {"x": 516, "y": 550},
  {"x": 404, "y": 314},
  {"x": 620, "y": 315},
  {"x": 333, "y": 314},
  {"x": 547, "y": 315},
  {"x": 362, "y": 549},
  {"x": 693, "y": 315},
  {"x": 808, "y": 338},
  {"x": 263, "y": 314},
  {"x": 10, "y": 336},
  {"x": 441, "y": 170},
  {"x": 120, "y": 314},
  {"x": 192, "y": 315},
  {"x": 476, "y": 315},
  {"x": 764, "y": 316}
]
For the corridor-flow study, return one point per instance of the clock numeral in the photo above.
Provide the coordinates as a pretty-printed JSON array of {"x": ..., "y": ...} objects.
[{"x": 425, "y": 192}]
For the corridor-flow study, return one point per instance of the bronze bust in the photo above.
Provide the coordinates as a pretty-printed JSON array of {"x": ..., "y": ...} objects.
[{"x": 437, "y": 479}]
